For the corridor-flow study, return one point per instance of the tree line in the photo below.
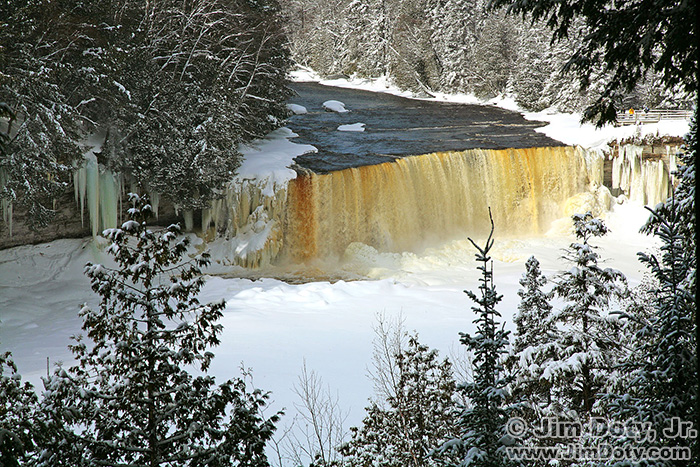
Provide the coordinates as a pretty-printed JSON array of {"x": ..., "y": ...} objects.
[{"x": 474, "y": 47}]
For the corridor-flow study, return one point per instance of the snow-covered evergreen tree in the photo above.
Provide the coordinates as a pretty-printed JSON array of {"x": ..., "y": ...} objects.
[
  {"x": 535, "y": 67},
  {"x": 661, "y": 382},
  {"x": 367, "y": 40},
  {"x": 533, "y": 325},
  {"x": 37, "y": 58},
  {"x": 587, "y": 341},
  {"x": 495, "y": 55},
  {"x": 455, "y": 26},
  {"x": 130, "y": 399},
  {"x": 318, "y": 33},
  {"x": 416, "y": 420},
  {"x": 534, "y": 347},
  {"x": 18, "y": 403},
  {"x": 482, "y": 434}
]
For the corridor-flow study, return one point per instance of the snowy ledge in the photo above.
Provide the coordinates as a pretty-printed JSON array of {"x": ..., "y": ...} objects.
[
  {"x": 564, "y": 127},
  {"x": 271, "y": 157}
]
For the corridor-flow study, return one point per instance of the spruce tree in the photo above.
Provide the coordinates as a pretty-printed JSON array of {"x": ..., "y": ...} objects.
[
  {"x": 130, "y": 400},
  {"x": 534, "y": 347},
  {"x": 18, "y": 403},
  {"x": 587, "y": 341},
  {"x": 661, "y": 384},
  {"x": 482, "y": 424},
  {"x": 417, "y": 419}
]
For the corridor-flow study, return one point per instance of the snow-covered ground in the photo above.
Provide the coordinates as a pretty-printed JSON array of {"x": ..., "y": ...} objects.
[{"x": 273, "y": 327}]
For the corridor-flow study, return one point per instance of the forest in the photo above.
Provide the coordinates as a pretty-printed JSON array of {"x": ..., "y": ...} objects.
[
  {"x": 167, "y": 90},
  {"x": 458, "y": 47}
]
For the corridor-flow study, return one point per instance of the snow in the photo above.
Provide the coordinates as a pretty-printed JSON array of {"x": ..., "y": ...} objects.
[
  {"x": 272, "y": 326},
  {"x": 352, "y": 127},
  {"x": 335, "y": 106},
  {"x": 270, "y": 158},
  {"x": 568, "y": 129},
  {"x": 297, "y": 109}
]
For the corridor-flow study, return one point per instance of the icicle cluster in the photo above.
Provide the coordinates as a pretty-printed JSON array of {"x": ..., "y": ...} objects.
[
  {"x": 100, "y": 191},
  {"x": 250, "y": 216},
  {"x": 646, "y": 181}
]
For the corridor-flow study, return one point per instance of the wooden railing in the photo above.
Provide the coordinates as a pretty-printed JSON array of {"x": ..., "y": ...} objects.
[{"x": 651, "y": 116}]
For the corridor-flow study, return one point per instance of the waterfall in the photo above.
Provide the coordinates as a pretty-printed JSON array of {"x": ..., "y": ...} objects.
[{"x": 405, "y": 204}]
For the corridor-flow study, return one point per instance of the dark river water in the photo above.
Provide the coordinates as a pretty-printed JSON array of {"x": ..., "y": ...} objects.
[{"x": 396, "y": 127}]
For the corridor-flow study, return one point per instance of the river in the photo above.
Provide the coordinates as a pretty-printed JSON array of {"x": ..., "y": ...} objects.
[{"x": 397, "y": 126}]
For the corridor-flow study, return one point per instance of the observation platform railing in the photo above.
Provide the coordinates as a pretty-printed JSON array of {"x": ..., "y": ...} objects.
[{"x": 651, "y": 116}]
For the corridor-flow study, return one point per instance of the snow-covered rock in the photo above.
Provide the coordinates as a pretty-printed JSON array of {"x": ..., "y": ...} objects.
[
  {"x": 334, "y": 106},
  {"x": 352, "y": 127},
  {"x": 297, "y": 109}
]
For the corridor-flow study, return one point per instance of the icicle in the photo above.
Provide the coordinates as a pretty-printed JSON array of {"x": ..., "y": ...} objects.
[
  {"x": 155, "y": 201},
  {"x": 188, "y": 215},
  {"x": 109, "y": 200},
  {"x": 643, "y": 180},
  {"x": 92, "y": 183},
  {"x": 206, "y": 219},
  {"x": 80, "y": 187},
  {"x": 120, "y": 196},
  {"x": 672, "y": 165},
  {"x": 5, "y": 203},
  {"x": 76, "y": 189}
]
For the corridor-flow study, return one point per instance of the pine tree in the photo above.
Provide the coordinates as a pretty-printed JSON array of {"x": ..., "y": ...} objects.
[
  {"x": 455, "y": 26},
  {"x": 483, "y": 438},
  {"x": 130, "y": 400},
  {"x": 587, "y": 341},
  {"x": 366, "y": 43},
  {"x": 417, "y": 419},
  {"x": 661, "y": 384}
]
